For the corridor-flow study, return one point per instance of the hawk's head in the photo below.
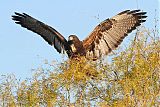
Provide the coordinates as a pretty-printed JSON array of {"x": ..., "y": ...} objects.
[
  {"x": 73, "y": 38},
  {"x": 76, "y": 45}
]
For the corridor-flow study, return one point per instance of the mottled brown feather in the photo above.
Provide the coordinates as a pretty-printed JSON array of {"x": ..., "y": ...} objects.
[{"x": 111, "y": 32}]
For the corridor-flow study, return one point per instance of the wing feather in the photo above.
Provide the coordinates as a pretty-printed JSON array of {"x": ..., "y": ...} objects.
[
  {"x": 111, "y": 32},
  {"x": 48, "y": 33}
]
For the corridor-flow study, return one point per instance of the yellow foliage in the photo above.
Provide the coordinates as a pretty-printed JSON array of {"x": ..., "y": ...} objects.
[{"x": 131, "y": 79}]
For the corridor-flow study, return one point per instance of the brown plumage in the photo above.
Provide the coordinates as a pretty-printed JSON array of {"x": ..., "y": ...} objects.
[{"x": 103, "y": 39}]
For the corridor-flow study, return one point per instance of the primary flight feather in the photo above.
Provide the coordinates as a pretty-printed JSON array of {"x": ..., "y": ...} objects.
[{"x": 103, "y": 39}]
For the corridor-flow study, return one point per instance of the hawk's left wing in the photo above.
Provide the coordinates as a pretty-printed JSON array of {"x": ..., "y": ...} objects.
[{"x": 111, "y": 32}]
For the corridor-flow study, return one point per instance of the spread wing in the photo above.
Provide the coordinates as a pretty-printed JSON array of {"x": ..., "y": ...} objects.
[
  {"x": 111, "y": 32},
  {"x": 48, "y": 33}
]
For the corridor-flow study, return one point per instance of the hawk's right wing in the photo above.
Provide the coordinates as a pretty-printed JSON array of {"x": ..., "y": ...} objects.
[{"x": 46, "y": 32}]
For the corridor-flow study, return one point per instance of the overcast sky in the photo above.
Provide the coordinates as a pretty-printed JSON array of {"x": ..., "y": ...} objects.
[{"x": 21, "y": 50}]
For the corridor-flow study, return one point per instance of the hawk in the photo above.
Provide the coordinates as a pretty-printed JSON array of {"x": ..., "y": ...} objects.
[{"x": 105, "y": 37}]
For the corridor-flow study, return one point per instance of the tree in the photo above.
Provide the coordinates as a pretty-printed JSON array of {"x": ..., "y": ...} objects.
[{"x": 132, "y": 78}]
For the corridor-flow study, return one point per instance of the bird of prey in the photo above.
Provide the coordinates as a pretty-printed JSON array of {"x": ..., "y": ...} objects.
[{"x": 105, "y": 37}]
